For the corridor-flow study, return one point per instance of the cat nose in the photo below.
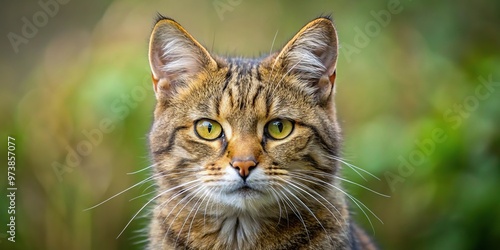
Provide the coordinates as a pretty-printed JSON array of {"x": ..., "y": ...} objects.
[{"x": 244, "y": 167}]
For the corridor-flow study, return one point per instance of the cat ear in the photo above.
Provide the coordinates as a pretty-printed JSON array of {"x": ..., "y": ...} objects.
[
  {"x": 175, "y": 57},
  {"x": 311, "y": 55}
]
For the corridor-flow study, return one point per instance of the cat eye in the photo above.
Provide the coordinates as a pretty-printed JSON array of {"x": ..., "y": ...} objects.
[
  {"x": 208, "y": 129},
  {"x": 279, "y": 128}
]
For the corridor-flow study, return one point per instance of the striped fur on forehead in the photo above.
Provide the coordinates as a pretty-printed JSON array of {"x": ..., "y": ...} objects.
[
  {"x": 242, "y": 86},
  {"x": 244, "y": 89},
  {"x": 200, "y": 202}
]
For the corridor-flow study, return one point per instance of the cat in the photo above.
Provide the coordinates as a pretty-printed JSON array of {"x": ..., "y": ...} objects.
[{"x": 246, "y": 151}]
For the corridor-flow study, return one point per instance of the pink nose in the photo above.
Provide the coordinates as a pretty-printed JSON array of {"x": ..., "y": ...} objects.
[{"x": 244, "y": 167}]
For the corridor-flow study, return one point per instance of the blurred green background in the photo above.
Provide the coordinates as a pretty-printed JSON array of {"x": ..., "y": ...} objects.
[{"x": 418, "y": 96}]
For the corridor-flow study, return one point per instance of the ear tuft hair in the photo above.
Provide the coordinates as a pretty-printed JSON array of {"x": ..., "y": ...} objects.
[
  {"x": 311, "y": 55},
  {"x": 175, "y": 56},
  {"x": 160, "y": 17}
]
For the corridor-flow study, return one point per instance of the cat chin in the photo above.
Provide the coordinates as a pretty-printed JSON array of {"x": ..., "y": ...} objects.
[{"x": 246, "y": 201}]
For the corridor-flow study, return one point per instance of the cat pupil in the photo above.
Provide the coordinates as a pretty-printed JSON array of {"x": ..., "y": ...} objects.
[
  {"x": 209, "y": 127},
  {"x": 280, "y": 126}
]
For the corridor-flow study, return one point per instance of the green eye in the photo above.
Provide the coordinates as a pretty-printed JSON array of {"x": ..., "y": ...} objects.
[
  {"x": 279, "y": 128},
  {"x": 208, "y": 129}
]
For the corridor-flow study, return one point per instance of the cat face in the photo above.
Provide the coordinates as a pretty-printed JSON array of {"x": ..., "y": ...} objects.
[{"x": 240, "y": 133}]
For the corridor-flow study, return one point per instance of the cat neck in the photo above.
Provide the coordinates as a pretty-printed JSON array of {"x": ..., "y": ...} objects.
[
  {"x": 234, "y": 228},
  {"x": 238, "y": 229}
]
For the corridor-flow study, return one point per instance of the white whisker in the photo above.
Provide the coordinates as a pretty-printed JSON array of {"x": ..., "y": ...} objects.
[
  {"x": 140, "y": 170},
  {"x": 319, "y": 195},
  {"x": 356, "y": 201},
  {"x": 366, "y": 188},
  {"x": 355, "y": 168},
  {"x": 343, "y": 179},
  {"x": 135, "y": 185},
  {"x": 202, "y": 188},
  {"x": 295, "y": 210},
  {"x": 192, "y": 195},
  {"x": 270, "y": 51},
  {"x": 274, "y": 39},
  {"x": 303, "y": 204},
  {"x": 278, "y": 200},
  {"x": 147, "y": 203},
  {"x": 142, "y": 195},
  {"x": 284, "y": 75},
  {"x": 205, "y": 195}
]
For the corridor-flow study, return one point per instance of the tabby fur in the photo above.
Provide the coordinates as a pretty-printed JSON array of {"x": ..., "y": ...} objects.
[{"x": 291, "y": 198}]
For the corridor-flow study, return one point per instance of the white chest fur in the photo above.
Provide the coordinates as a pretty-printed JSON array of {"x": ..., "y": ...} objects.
[{"x": 238, "y": 230}]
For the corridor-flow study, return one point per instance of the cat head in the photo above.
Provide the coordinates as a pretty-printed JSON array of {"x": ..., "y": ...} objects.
[{"x": 243, "y": 132}]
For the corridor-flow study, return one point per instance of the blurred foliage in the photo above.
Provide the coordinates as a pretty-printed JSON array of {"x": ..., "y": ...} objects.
[{"x": 86, "y": 72}]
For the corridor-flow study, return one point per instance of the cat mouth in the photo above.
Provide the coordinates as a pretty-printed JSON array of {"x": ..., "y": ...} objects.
[{"x": 246, "y": 190}]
